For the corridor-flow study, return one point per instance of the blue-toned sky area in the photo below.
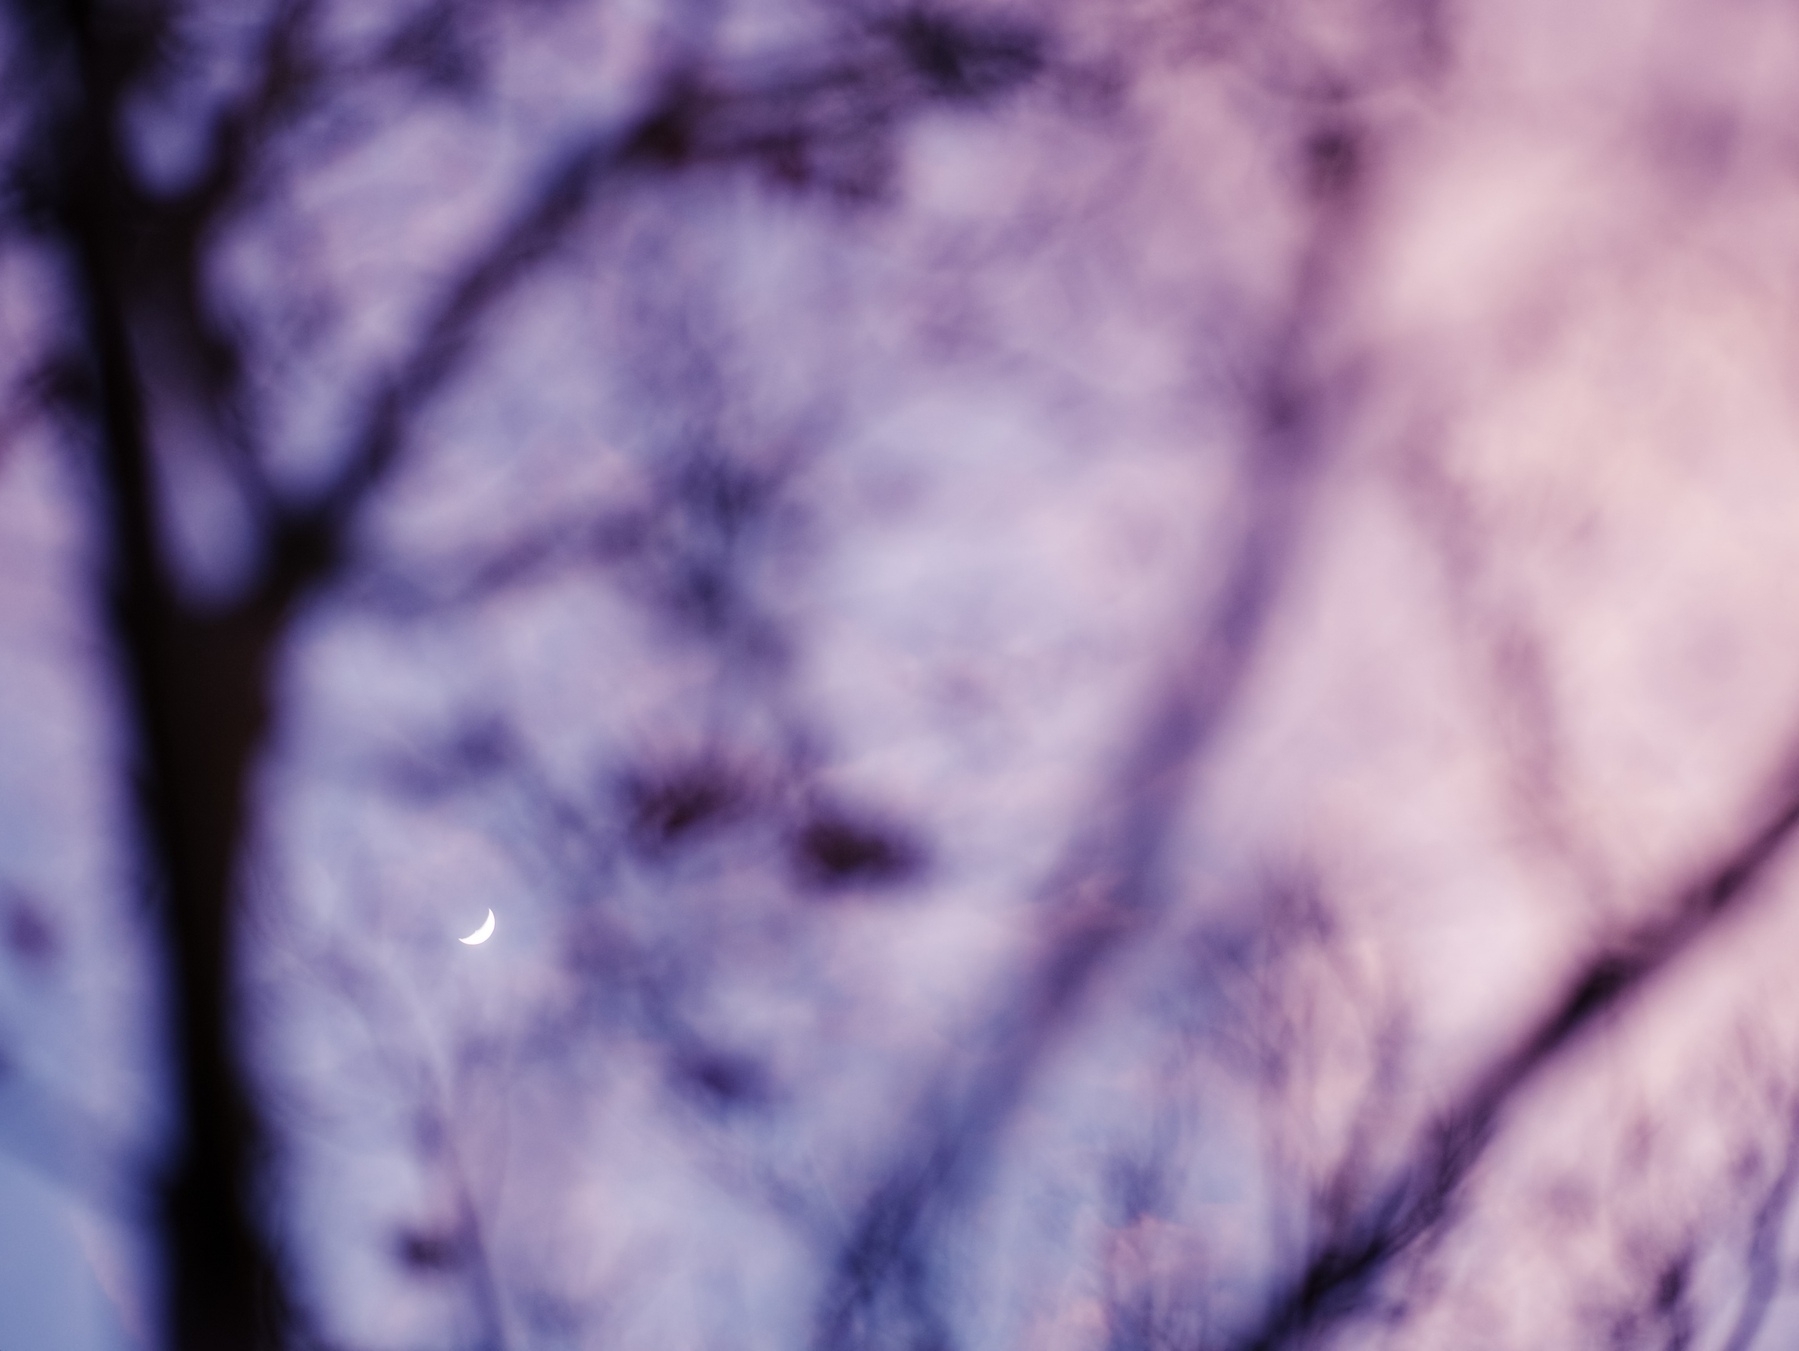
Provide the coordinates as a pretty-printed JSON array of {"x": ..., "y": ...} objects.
[{"x": 1123, "y": 675}]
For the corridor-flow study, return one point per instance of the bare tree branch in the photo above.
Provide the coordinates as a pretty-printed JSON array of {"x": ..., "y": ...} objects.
[
  {"x": 1764, "y": 1249},
  {"x": 1108, "y": 886},
  {"x": 1343, "y": 1271}
]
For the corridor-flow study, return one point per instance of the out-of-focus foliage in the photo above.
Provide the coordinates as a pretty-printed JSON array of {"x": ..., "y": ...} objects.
[{"x": 1121, "y": 674}]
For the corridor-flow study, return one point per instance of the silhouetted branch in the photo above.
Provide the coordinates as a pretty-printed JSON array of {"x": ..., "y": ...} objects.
[
  {"x": 1764, "y": 1257},
  {"x": 196, "y": 693},
  {"x": 1342, "y": 1271},
  {"x": 1107, "y": 889},
  {"x": 782, "y": 122}
]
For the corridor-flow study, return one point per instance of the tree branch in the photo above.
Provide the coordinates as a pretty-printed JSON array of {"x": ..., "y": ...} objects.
[{"x": 1341, "y": 1273}]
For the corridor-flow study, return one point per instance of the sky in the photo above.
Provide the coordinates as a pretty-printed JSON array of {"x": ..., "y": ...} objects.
[{"x": 1110, "y": 640}]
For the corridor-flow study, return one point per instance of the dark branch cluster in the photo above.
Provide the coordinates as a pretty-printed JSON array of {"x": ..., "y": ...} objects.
[{"x": 1099, "y": 672}]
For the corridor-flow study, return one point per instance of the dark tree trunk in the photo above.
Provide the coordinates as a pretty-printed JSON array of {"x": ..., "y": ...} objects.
[{"x": 197, "y": 708}]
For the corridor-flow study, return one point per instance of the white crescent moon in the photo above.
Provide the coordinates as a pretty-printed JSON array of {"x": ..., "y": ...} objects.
[{"x": 482, "y": 934}]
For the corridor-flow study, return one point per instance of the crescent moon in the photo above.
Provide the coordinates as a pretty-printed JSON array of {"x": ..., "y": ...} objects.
[{"x": 482, "y": 934}]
